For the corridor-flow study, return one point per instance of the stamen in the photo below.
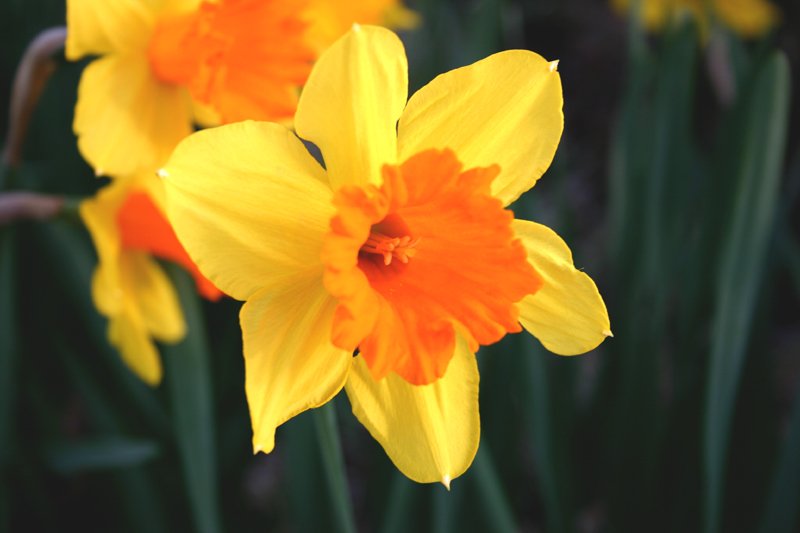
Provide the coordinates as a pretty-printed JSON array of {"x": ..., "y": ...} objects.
[{"x": 400, "y": 248}]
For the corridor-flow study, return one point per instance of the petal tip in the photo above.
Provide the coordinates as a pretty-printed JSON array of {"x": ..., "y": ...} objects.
[
  {"x": 553, "y": 65},
  {"x": 356, "y": 27},
  {"x": 162, "y": 173},
  {"x": 607, "y": 333},
  {"x": 99, "y": 172},
  {"x": 446, "y": 482}
]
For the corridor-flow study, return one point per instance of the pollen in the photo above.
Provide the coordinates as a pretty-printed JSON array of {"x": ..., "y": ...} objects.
[{"x": 400, "y": 248}]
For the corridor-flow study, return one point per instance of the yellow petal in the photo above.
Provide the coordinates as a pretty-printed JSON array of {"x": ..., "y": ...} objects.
[
  {"x": 105, "y": 26},
  {"x": 129, "y": 335},
  {"x": 505, "y": 110},
  {"x": 567, "y": 314},
  {"x": 351, "y": 102},
  {"x": 149, "y": 288},
  {"x": 99, "y": 214},
  {"x": 127, "y": 121},
  {"x": 130, "y": 288},
  {"x": 430, "y": 432},
  {"x": 290, "y": 363},
  {"x": 249, "y": 204}
]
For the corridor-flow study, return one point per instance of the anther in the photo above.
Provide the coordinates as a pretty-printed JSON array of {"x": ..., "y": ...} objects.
[{"x": 400, "y": 248}]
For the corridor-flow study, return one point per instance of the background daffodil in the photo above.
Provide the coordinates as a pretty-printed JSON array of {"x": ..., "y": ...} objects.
[
  {"x": 748, "y": 18},
  {"x": 129, "y": 287},
  {"x": 235, "y": 58},
  {"x": 399, "y": 248},
  {"x": 167, "y": 63}
]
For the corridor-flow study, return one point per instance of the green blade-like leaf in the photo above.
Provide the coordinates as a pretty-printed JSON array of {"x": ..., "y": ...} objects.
[
  {"x": 395, "y": 518},
  {"x": 333, "y": 463},
  {"x": 783, "y": 503},
  {"x": 8, "y": 362},
  {"x": 551, "y": 470},
  {"x": 99, "y": 453},
  {"x": 187, "y": 376},
  {"x": 497, "y": 508},
  {"x": 742, "y": 265}
]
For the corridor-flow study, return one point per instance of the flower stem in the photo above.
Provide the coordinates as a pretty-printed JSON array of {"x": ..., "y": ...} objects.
[
  {"x": 333, "y": 462},
  {"x": 35, "y": 68}
]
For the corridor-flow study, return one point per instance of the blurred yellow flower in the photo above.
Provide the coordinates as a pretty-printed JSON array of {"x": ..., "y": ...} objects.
[
  {"x": 400, "y": 248},
  {"x": 165, "y": 63},
  {"x": 748, "y": 18},
  {"x": 129, "y": 287},
  {"x": 330, "y": 19}
]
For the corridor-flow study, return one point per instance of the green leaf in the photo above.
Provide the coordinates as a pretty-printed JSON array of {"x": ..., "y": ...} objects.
[
  {"x": 784, "y": 495},
  {"x": 8, "y": 341},
  {"x": 187, "y": 377},
  {"x": 333, "y": 464},
  {"x": 99, "y": 453},
  {"x": 742, "y": 265},
  {"x": 551, "y": 467},
  {"x": 495, "y": 503},
  {"x": 400, "y": 501}
]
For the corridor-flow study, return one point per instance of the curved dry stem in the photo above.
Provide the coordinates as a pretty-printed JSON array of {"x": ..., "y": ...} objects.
[
  {"x": 34, "y": 70},
  {"x": 16, "y": 206}
]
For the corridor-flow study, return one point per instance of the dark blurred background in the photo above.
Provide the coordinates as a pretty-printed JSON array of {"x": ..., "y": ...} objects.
[{"x": 676, "y": 185}]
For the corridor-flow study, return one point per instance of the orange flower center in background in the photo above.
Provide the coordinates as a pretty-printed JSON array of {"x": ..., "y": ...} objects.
[
  {"x": 428, "y": 255},
  {"x": 143, "y": 227},
  {"x": 245, "y": 58}
]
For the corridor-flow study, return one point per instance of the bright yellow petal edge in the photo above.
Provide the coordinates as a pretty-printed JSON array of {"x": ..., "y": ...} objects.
[
  {"x": 430, "y": 432},
  {"x": 567, "y": 314},
  {"x": 503, "y": 110},
  {"x": 290, "y": 363}
]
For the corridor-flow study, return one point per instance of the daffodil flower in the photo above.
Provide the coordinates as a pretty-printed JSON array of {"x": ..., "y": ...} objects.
[
  {"x": 129, "y": 287},
  {"x": 237, "y": 58},
  {"x": 399, "y": 249},
  {"x": 165, "y": 64},
  {"x": 748, "y": 18}
]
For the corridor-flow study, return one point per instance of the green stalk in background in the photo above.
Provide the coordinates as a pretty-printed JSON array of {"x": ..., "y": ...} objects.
[
  {"x": 8, "y": 364},
  {"x": 187, "y": 376},
  {"x": 333, "y": 463},
  {"x": 742, "y": 265}
]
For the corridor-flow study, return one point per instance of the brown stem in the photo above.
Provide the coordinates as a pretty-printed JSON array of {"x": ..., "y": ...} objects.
[
  {"x": 16, "y": 206},
  {"x": 34, "y": 70}
]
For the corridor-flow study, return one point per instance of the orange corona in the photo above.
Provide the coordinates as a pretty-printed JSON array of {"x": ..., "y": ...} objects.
[
  {"x": 244, "y": 58},
  {"x": 458, "y": 267}
]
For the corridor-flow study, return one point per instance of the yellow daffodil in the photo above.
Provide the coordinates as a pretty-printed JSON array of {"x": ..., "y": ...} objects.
[
  {"x": 330, "y": 19},
  {"x": 165, "y": 63},
  {"x": 400, "y": 248},
  {"x": 748, "y": 18},
  {"x": 129, "y": 287}
]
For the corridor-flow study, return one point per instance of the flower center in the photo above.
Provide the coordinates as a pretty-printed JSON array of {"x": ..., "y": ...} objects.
[
  {"x": 428, "y": 255},
  {"x": 245, "y": 58},
  {"x": 390, "y": 239},
  {"x": 401, "y": 248}
]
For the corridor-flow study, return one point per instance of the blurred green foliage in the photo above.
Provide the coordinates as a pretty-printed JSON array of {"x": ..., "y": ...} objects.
[{"x": 676, "y": 185}]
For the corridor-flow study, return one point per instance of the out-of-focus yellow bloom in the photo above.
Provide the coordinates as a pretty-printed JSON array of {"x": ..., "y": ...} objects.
[
  {"x": 330, "y": 19},
  {"x": 748, "y": 18},
  {"x": 165, "y": 63},
  {"x": 401, "y": 248},
  {"x": 129, "y": 287}
]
